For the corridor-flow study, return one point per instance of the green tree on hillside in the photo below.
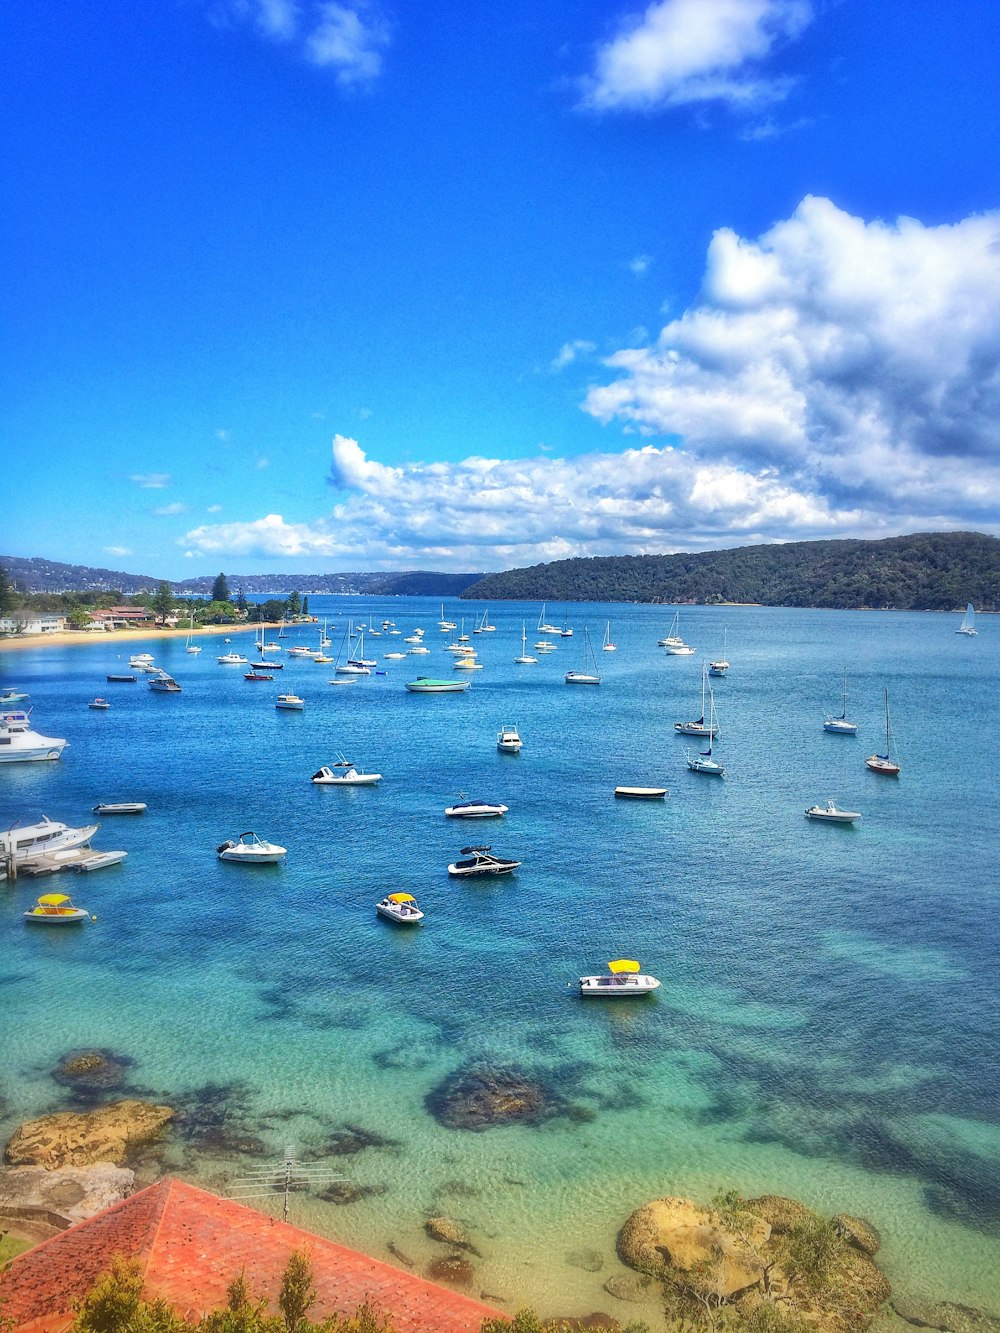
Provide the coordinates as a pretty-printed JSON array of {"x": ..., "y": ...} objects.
[
  {"x": 163, "y": 602},
  {"x": 220, "y": 589}
]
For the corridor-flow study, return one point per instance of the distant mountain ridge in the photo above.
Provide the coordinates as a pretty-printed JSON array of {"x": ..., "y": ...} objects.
[
  {"x": 929, "y": 571},
  {"x": 40, "y": 575}
]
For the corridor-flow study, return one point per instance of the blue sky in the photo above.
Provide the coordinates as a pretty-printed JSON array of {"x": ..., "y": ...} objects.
[{"x": 314, "y": 285}]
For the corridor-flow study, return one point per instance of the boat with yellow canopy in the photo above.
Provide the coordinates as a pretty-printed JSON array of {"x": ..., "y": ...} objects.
[
  {"x": 625, "y": 981},
  {"x": 401, "y": 908},
  {"x": 56, "y": 909}
]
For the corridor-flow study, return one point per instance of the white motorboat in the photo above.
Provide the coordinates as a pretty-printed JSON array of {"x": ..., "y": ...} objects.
[
  {"x": 721, "y": 665},
  {"x": 346, "y": 777},
  {"x": 163, "y": 684},
  {"x": 699, "y": 727},
  {"x": 545, "y": 646},
  {"x": 839, "y": 726},
  {"x": 56, "y": 909},
  {"x": 641, "y": 793},
  {"x": 673, "y": 645},
  {"x": 481, "y": 861},
  {"x": 231, "y": 659},
  {"x": 99, "y": 860},
  {"x": 140, "y": 659},
  {"x": 8, "y": 697},
  {"x": 589, "y": 674},
  {"x": 702, "y": 762},
  {"x": 19, "y": 744},
  {"x": 394, "y": 657},
  {"x": 298, "y": 651},
  {"x": 251, "y": 850},
  {"x": 625, "y": 981},
  {"x": 419, "y": 652},
  {"x": 525, "y": 659},
  {"x": 26, "y": 841},
  {"x": 968, "y": 625},
  {"x": 401, "y": 908},
  {"x": 832, "y": 813},
  {"x": 508, "y": 739},
  {"x": 428, "y": 685},
  {"x": 120, "y": 808},
  {"x": 476, "y": 810},
  {"x": 290, "y": 702},
  {"x": 884, "y": 763},
  {"x": 99, "y": 704},
  {"x": 466, "y": 664}
]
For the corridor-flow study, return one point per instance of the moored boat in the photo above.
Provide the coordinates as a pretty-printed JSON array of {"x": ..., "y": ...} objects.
[
  {"x": 232, "y": 659},
  {"x": 482, "y": 861},
  {"x": 476, "y": 810},
  {"x": 346, "y": 777},
  {"x": 26, "y": 841},
  {"x": 884, "y": 763},
  {"x": 99, "y": 703},
  {"x": 831, "y": 813},
  {"x": 428, "y": 685},
  {"x": 968, "y": 625},
  {"x": 119, "y": 808},
  {"x": 249, "y": 849},
  {"x": 625, "y": 981},
  {"x": 401, "y": 908},
  {"x": 291, "y": 702},
  {"x": 839, "y": 725},
  {"x": 20, "y": 744},
  {"x": 56, "y": 909},
  {"x": 508, "y": 739},
  {"x": 641, "y": 793}
]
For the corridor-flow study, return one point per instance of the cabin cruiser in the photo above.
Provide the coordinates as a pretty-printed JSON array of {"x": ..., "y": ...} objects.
[
  {"x": 401, "y": 908},
  {"x": 249, "y": 849},
  {"x": 832, "y": 813},
  {"x": 164, "y": 684},
  {"x": 347, "y": 777},
  {"x": 19, "y": 744},
  {"x": 481, "y": 861},
  {"x": 508, "y": 739},
  {"x": 476, "y": 810},
  {"x": 26, "y": 841},
  {"x": 290, "y": 701},
  {"x": 625, "y": 981},
  {"x": 467, "y": 664},
  {"x": 56, "y": 909},
  {"x": 232, "y": 659}
]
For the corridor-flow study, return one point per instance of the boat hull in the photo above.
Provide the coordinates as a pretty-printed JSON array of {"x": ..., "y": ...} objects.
[
  {"x": 641, "y": 793},
  {"x": 75, "y": 917},
  {"x": 618, "y": 988}
]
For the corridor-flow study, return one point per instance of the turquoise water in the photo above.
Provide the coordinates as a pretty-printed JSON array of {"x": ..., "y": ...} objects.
[{"x": 828, "y": 1022}]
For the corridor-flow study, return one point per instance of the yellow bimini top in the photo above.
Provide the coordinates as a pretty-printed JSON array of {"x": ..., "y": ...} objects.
[
  {"x": 623, "y": 965},
  {"x": 401, "y": 898},
  {"x": 53, "y": 899}
]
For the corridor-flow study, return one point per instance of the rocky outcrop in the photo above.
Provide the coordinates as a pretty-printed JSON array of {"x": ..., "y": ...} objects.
[
  {"x": 948, "y": 1316},
  {"x": 480, "y": 1097},
  {"x": 450, "y": 1232},
  {"x": 72, "y": 1193},
  {"x": 779, "y": 1213},
  {"x": 859, "y": 1233},
  {"x": 90, "y": 1073},
  {"x": 72, "y": 1138},
  {"x": 671, "y": 1233}
]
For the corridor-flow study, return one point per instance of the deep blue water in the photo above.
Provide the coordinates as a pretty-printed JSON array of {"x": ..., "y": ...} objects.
[{"x": 828, "y": 1024}]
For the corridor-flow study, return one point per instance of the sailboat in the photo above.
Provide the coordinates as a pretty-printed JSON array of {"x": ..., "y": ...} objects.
[
  {"x": 193, "y": 647},
  {"x": 524, "y": 659},
  {"x": 587, "y": 676},
  {"x": 673, "y": 645},
  {"x": 607, "y": 645},
  {"x": 444, "y": 625},
  {"x": 262, "y": 664},
  {"x": 699, "y": 727},
  {"x": 968, "y": 625},
  {"x": 884, "y": 763},
  {"x": 721, "y": 665},
  {"x": 543, "y": 625},
  {"x": 840, "y": 725},
  {"x": 702, "y": 762},
  {"x": 351, "y": 667}
]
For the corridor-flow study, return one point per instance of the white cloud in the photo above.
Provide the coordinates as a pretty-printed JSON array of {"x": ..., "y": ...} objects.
[
  {"x": 682, "y": 52},
  {"x": 569, "y": 352},
  {"x": 151, "y": 481},
  {"x": 348, "y": 41},
  {"x": 214, "y": 509},
  {"x": 277, "y": 18},
  {"x": 860, "y": 361},
  {"x": 261, "y": 464},
  {"x": 640, "y": 265},
  {"x": 118, "y": 550},
  {"x": 175, "y": 508}
]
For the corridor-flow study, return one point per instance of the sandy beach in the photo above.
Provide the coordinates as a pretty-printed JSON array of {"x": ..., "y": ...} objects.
[{"x": 81, "y": 637}]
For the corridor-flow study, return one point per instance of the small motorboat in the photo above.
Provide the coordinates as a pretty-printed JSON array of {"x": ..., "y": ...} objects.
[
  {"x": 394, "y": 657},
  {"x": 140, "y": 659},
  {"x": 401, "y": 908},
  {"x": 56, "y": 909},
  {"x": 290, "y": 701},
  {"x": 17, "y": 696},
  {"x": 120, "y": 808},
  {"x": 232, "y": 659},
  {"x": 508, "y": 739},
  {"x": 428, "y": 685},
  {"x": 251, "y": 850},
  {"x": 163, "y": 684},
  {"x": 121, "y": 680},
  {"x": 347, "y": 777},
  {"x": 832, "y": 813},
  {"x": 419, "y": 651},
  {"x": 98, "y": 860},
  {"x": 467, "y": 664},
  {"x": 476, "y": 810},
  {"x": 481, "y": 861},
  {"x": 98, "y": 703},
  {"x": 641, "y": 793},
  {"x": 257, "y": 675},
  {"x": 625, "y": 981}
]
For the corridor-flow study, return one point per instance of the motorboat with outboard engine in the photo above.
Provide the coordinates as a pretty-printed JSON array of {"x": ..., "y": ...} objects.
[
  {"x": 401, "y": 908},
  {"x": 625, "y": 981},
  {"x": 249, "y": 849}
]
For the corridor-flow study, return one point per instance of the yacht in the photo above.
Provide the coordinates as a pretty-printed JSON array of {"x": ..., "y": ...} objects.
[
  {"x": 26, "y": 841},
  {"x": 699, "y": 727},
  {"x": 19, "y": 744},
  {"x": 508, "y": 740},
  {"x": 481, "y": 861},
  {"x": 624, "y": 981},
  {"x": 120, "y": 808},
  {"x": 839, "y": 725},
  {"x": 589, "y": 674},
  {"x": 401, "y": 908},
  {"x": 251, "y": 850},
  {"x": 476, "y": 810},
  {"x": 347, "y": 777},
  {"x": 832, "y": 813}
]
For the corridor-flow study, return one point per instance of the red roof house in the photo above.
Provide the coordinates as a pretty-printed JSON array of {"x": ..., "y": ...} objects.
[{"x": 191, "y": 1244}]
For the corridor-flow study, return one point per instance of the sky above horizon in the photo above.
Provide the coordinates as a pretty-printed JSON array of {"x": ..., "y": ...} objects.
[{"x": 317, "y": 285}]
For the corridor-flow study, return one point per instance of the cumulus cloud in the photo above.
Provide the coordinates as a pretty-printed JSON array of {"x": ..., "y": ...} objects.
[
  {"x": 569, "y": 352},
  {"x": 347, "y": 39},
  {"x": 683, "y": 52},
  {"x": 151, "y": 481},
  {"x": 640, "y": 265},
  {"x": 857, "y": 360}
]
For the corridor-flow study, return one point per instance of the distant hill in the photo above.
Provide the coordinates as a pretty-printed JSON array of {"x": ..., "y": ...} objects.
[
  {"x": 929, "y": 571},
  {"x": 39, "y": 575}
]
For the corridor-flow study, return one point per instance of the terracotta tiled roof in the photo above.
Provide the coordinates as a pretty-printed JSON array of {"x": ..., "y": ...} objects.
[{"x": 191, "y": 1244}]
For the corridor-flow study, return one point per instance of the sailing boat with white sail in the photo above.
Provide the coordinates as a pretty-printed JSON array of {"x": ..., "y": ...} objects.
[
  {"x": 968, "y": 625},
  {"x": 525, "y": 659},
  {"x": 702, "y": 762},
  {"x": 884, "y": 763},
  {"x": 190, "y": 647},
  {"x": 607, "y": 645},
  {"x": 673, "y": 645},
  {"x": 840, "y": 726},
  {"x": 589, "y": 675},
  {"x": 699, "y": 727},
  {"x": 543, "y": 625}
]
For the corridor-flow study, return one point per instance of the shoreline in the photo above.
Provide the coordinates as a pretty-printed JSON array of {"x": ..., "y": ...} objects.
[{"x": 79, "y": 637}]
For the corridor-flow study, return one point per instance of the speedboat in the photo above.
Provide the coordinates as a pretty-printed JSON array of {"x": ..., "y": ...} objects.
[
  {"x": 164, "y": 684},
  {"x": 508, "y": 740},
  {"x": 347, "y": 777},
  {"x": 56, "y": 909},
  {"x": 419, "y": 651},
  {"x": 832, "y": 813},
  {"x": 624, "y": 982},
  {"x": 98, "y": 703},
  {"x": 140, "y": 659},
  {"x": 476, "y": 810},
  {"x": 401, "y": 908},
  {"x": 290, "y": 701},
  {"x": 231, "y": 659},
  {"x": 12, "y": 697},
  {"x": 428, "y": 685},
  {"x": 48, "y": 835},
  {"x": 641, "y": 793},
  {"x": 120, "y": 808},
  {"x": 394, "y": 657},
  {"x": 18, "y": 743},
  {"x": 251, "y": 850},
  {"x": 481, "y": 861}
]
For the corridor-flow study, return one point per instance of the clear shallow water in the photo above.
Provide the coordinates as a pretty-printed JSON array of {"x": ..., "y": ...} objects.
[{"x": 828, "y": 1022}]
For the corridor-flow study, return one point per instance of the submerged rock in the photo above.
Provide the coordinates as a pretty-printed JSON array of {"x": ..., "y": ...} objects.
[
  {"x": 397, "y": 1253},
  {"x": 354, "y": 1139},
  {"x": 72, "y": 1138},
  {"x": 88, "y": 1072},
  {"x": 454, "y": 1269},
  {"x": 480, "y": 1097},
  {"x": 450, "y": 1232},
  {"x": 591, "y": 1261},
  {"x": 626, "y": 1288},
  {"x": 345, "y": 1191},
  {"x": 857, "y": 1232},
  {"x": 217, "y": 1119}
]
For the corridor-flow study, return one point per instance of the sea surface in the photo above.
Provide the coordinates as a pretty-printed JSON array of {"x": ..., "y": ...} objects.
[{"x": 828, "y": 1024}]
